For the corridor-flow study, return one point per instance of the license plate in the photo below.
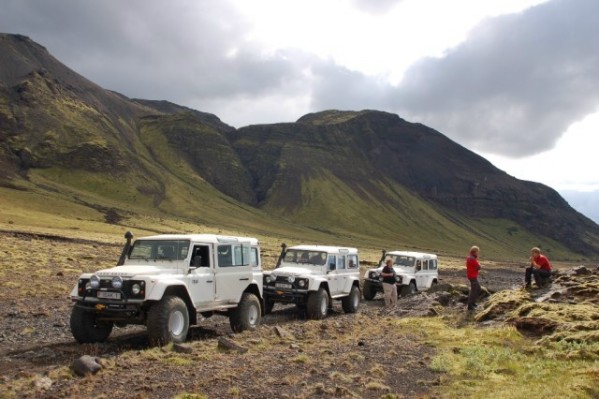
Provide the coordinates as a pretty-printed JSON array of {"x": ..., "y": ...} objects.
[
  {"x": 109, "y": 295},
  {"x": 282, "y": 285}
]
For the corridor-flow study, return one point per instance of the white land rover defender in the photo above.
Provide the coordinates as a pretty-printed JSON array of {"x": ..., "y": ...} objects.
[
  {"x": 164, "y": 281},
  {"x": 414, "y": 271},
  {"x": 311, "y": 276}
]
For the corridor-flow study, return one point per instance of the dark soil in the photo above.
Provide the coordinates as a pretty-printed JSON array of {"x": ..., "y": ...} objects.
[{"x": 340, "y": 356}]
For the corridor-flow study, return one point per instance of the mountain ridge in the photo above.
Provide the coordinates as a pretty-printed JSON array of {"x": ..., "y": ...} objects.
[{"x": 359, "y": 173}]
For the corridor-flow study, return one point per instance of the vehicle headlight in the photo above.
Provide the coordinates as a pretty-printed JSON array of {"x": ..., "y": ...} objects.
[
  {"x": 269, "y": 279},
  {"x": 135, "y": 289},
  {"x": 398, "y": 279},
  {"x": 302, "y": 283},
  {"x": 88, "y": 286},
  {"x": 117, "y": 282},
  {"x": 94, "y": 282},
  {"x": 373, "y": 275},
  {"x": 291, "y": 279}
]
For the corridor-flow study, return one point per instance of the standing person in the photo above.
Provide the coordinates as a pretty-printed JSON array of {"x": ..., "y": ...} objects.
[
  {"x": 389, "y": 287},
  {"x": 539, "y": 268},
  {"x": 472, "y": 269}
]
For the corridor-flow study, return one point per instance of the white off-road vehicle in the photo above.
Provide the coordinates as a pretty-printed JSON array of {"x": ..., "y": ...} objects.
[
  {"x": 164, "y": 281},
  {"x": 311, "y": 276},
  {"x": 414, "y": 271}
]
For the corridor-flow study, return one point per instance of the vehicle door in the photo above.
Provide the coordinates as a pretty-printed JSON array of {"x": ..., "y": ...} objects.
[
  {"x": 351, "y": 270},
  {"x": 200, "y": 279},
  {"x": 343, "y": 280},
  {"x": 233, "y": 271},
  {"x": 422, "y": 273},
  {"x": 430, "y": 274},
  {"x": 331, "y": 274}
]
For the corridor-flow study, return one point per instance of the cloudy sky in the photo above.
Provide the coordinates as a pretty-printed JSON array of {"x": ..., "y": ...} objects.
[{"x": 516, "y": 81}]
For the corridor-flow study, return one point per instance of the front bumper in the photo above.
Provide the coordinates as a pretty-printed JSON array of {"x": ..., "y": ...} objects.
[
  {"x": 374, "y": 283},
  {"x": 130, "y": 311},
  {"x": 287, "y": 295}
]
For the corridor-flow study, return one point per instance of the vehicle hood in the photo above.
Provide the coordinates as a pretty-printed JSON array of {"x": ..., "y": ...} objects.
[
  {"x": 132, "y": 271},
  {"x": 295, "y": 271}
]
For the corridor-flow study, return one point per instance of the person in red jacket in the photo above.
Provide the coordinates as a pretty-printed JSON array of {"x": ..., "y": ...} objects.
[
  {"x": 472, "y": 269},
  {"x": 539, "y": 268}
]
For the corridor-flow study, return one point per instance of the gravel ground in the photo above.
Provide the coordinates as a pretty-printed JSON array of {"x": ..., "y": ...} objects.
[{"x": 35, "y": 341}]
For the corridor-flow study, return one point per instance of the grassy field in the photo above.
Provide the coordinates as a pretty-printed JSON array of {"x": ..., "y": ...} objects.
[{"x": 446, "y": 356}]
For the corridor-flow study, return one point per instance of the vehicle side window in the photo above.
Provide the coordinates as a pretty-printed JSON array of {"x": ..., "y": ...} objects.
[
  {"x": 418, "y": 265},
  {"x": 352, "y": 262},
  {"x": 233, "y": 255},
  {"x": 433, "y": 264},
  {"x": 425, "y": 265},
  {"x": 254, "y": 257},
  {"x": 242, "y": 255},
  {"x": 340, "y": 262},
  {"x": 331, "y": 261},
  {"x": 200, "y": 256},
  {"x": 225, "y": 255}
]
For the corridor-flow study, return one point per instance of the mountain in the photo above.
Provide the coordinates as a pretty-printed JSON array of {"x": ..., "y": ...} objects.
[
  {"x": 363, "y": 176},
  {"x": 378, "y": 160}
]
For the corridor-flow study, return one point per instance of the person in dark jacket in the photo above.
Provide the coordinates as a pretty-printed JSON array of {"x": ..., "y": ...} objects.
[
  {"x": 389, "y": 284},
  {"x": 472, "y": 269},
  {"x": 539, "y": 268}
]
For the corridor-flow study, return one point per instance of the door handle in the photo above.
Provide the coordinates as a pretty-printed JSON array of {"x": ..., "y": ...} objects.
[
  {"x": 208, "y": 281},
  {"x": 244, "y": 279}
]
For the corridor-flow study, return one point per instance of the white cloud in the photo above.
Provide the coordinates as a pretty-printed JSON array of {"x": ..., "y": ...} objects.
[
  {"x": 570, "y": 165},
  {"x": 511, "y": 86}
]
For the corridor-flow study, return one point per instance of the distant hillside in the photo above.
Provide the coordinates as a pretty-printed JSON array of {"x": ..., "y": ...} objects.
[
  {"x": 377, "y": 165},
  {"x": 366, "y": 176}
]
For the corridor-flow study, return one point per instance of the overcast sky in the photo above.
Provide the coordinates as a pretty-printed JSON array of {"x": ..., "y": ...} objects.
[{"x": 516, "y": 81}]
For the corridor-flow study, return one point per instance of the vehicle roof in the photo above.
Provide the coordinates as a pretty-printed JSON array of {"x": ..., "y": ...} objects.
[
  {"x": 412, "y": 253},
  {"x": 325, "y": 248},
  {"x": 206, "y": 238}
]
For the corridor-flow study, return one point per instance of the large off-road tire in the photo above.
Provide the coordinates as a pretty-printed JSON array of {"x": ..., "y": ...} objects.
[
  {"x": 247, "y": 313},
  {"x": 369, "y": 291},
  {"x": 168, "y": 321},
  {"x": 351, "y": 302},
  {"x": 317, "y": 305},
  {"x": 86, "y": 329},
  {"x": 268, "y": 305},
  {"x": 408, "y": 289}
]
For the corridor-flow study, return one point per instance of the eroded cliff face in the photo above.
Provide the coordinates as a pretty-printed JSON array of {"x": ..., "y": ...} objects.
[{"x": 368, "y": 149}]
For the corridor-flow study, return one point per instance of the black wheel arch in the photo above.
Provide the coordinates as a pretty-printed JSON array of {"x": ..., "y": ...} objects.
[
  {"x": 253, "y": 289},
  {"x": 181, "y": 292}
]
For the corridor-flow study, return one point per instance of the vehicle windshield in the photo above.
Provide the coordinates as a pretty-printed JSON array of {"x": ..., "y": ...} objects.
[
  {"x": 305, "y": 257},
  {"x": 403, "y": 260},
  {"x": 159, "y": 250}
]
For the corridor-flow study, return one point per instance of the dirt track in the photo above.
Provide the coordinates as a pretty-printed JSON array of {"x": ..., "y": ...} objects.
[{"x": 36, "y": 340}]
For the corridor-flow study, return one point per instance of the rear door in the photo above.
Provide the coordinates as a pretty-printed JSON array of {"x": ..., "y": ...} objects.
[
  {"x": 351, "y": 271},
  {"x": 430, "y": 274},
  {"x": 233, "y": 271},
  {"x": 424, "y": 275}
]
